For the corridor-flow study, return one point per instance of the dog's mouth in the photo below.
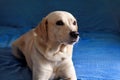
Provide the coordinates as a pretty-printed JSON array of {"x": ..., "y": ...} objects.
[
  {"x": 69, "y": 41},
  {"x": 73, "y": 40}
]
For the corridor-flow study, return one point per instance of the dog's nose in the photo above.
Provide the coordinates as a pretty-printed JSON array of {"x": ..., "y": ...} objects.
[{"x": 74, "y": 34}]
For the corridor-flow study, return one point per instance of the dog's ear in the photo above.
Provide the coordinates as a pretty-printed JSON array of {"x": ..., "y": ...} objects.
[{"x": 42, "y": 29}]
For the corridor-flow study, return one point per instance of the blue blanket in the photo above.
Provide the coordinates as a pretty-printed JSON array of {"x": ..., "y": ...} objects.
[
  {"x": 97, "y": 54},
  {"x": 96, "y": 57}
]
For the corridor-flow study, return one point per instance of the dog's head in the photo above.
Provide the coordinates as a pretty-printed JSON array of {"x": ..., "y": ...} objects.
[{"x": 59, "y": 26}]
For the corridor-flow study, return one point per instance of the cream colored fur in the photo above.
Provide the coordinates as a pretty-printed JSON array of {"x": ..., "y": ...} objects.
[{"x": 47, "y": 48}]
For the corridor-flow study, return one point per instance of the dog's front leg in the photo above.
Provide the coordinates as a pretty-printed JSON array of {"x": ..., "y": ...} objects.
[
  {"x": 41, "y": 74},
  {"x": 67, "y": 71},
  {"x": 41, "y": 69}
]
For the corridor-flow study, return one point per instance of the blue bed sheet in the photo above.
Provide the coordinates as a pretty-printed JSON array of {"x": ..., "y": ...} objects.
[
  {"x": 11, "y": 68},
  {"x": 96, "y": 57}
]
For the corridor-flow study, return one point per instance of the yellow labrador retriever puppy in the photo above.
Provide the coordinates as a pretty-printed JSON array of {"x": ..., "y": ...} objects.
[{"x": 48, "y": 47}]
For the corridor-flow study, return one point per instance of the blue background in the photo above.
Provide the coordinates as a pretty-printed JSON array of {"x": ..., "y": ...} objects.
[{"x": 97, "y": 54}]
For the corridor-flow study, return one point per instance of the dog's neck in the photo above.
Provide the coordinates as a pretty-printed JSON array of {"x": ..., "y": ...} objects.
[
  {"x": 56, "y": 47},
  {"x": 48, "y": 46}
]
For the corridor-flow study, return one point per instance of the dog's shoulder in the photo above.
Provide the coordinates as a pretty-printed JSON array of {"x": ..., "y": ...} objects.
[{"x": 20, "y": 44}]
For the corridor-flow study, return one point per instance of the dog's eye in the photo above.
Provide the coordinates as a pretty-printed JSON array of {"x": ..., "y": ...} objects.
[
  {"x": 60, "y": 23},
  {"x": 74, "y": 23}
]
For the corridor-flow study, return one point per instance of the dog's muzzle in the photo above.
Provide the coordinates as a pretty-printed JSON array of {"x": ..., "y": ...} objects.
[{"x": 74, "y": 34}]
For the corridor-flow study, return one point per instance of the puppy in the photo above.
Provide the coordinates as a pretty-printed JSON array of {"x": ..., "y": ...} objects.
[{"x": 48, "y": 47}]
